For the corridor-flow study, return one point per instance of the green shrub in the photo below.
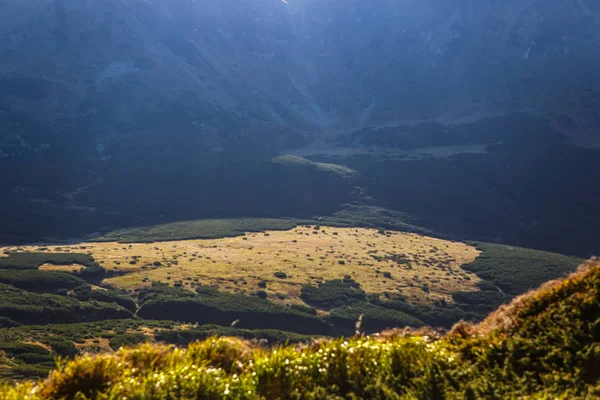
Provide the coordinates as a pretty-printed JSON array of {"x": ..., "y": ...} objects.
[
  {"x": 187, "y": 336},
  {"x": 64, "y": 348},
  {"x": 482, "y": 302},
  {"x": 438, "y": 316},
  {"x": 85, "y": 293},
  {"x": 35, "y": 308},
  {"x": 160, "y": 290},
  {"x": 374, "y": 318},
  {"x": 304, "y": 309},
  {"x": 331, "y": 294},
  {"x": 127, "y": 340},
  {"x": 516, "y": 270},
  {"x": 209, "y": 306},
  {"x": 24, "y": 371},
  {"x": 18, "y": 349},
  {"x": 200, "y": 229},
  {"x": 32, "y": 260},
  {"x": 40, "y": 281},
  {"x": 262, "y": 294}
]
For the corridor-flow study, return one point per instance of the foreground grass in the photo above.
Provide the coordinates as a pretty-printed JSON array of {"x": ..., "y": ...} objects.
[{"x": 543, "y": 345}]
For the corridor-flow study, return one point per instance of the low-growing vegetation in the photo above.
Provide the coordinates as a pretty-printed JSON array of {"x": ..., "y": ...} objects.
[
  {"x": 33, "y": 259},
  {"x": 33, "y": 308},
  {"x": 502, "y": 266},
  {"x": 48, "y": 342},
  {"x": 282, "y": 262},
  {"x": 210, "y": 306},
  {"x": 334, "y": 293},
  {"x": 40, "y": 281},
  {"x": 200, "y": 229},
  {"x": 310, "y": 280},
  {"x": 544, "y": 345}
]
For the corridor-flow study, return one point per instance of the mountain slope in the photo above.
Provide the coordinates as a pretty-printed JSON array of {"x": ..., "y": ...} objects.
[
  {"x": 542, "y": 345},
  {"x": 134, "y": 112},
  {"x": 207, "y": 69}
]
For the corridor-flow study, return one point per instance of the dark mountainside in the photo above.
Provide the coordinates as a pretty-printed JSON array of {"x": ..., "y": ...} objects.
[{"x": 476, "y": 119}]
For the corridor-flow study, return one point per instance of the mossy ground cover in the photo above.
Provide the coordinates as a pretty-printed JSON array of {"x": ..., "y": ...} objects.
[
  {"x": 422, "y": 269},
  {"x": 544, "y": 345}
]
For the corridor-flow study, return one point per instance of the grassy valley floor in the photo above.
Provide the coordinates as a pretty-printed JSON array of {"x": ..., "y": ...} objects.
[{"x": 420, "y": 268}]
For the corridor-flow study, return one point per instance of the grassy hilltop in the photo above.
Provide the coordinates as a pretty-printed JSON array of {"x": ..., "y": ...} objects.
[{"x": 543, "y": 345}]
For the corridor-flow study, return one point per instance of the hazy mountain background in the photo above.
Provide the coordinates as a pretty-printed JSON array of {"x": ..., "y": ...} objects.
[{"x": 478, "y": 119}]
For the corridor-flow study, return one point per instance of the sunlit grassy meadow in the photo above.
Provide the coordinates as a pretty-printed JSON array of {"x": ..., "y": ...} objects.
[{"x": 420, "y": 268}]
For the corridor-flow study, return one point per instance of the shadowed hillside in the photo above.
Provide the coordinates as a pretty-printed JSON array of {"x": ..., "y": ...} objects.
[{"x": 128, "y": 113}]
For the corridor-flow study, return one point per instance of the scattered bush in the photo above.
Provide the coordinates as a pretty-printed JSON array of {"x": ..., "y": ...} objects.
[
  {"x": 304, "y": 309},
  {"x": 40, "y": 281},
  {"x": 214, "y": 307},
  {"x": 374, "y": 318},
  {"x": 516, "y": 270},
  {"x": 482, "y": 302},
  {"x": 34, "y": 308},
  {"x": 262, "y": 294},
  {"x": 64, "y": 348},
  {"x": 85, "y": 292},
  {"x": 127, "y": 340},
  {"x": 334, "y": 293}
]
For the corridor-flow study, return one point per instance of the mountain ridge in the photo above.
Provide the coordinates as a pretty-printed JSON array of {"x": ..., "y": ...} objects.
[{"x": 307, "y": 66}]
